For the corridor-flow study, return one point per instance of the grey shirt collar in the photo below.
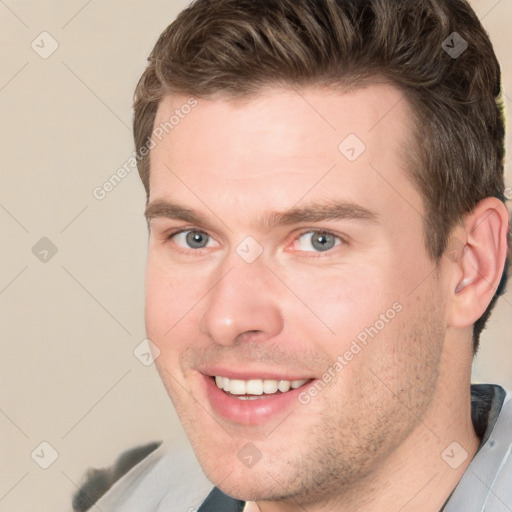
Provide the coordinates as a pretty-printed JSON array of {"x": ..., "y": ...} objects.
[{"x": 486, "y": 403}]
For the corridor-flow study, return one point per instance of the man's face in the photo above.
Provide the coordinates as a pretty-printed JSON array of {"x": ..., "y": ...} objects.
[{"x": 304, "y": 267}]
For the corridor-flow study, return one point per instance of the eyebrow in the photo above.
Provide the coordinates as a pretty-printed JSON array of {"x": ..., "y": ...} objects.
[{"x": 313, "y": 212}]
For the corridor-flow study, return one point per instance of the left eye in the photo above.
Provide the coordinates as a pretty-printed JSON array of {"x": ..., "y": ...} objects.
[
  {"x": 193, "y": 239},
  {"x": 317, "y": 240}
]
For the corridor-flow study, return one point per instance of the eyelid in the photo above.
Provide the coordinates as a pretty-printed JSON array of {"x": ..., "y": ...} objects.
[
  {"x": 176, "y": 231},
  {"x": 167, "y": 237}
]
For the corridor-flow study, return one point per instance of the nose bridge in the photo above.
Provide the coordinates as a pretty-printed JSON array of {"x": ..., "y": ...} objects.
[{"x": 242, "y": 299}]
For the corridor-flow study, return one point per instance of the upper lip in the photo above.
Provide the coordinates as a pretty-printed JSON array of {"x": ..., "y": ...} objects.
[{"x": 252, "y": 374}]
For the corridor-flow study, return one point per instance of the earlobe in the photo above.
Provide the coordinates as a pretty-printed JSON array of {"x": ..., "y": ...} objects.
[{"x": 477, "y": 262}]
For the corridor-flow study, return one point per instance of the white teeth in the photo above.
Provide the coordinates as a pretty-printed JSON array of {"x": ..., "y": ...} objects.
[
  {"x": 256, "y": 386},
  {"x": 284, "y": 386},
  {"x": 269, "y": 386},
  {"x": 237, "y": 387}
]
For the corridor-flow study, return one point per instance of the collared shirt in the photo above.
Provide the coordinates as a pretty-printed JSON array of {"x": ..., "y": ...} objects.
[
  {"x": 169, "y": 480},
  {"x": 486, "y": 404}
]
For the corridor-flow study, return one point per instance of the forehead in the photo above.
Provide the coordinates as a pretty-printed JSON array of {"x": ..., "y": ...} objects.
[{"x": 283, "y": 140}]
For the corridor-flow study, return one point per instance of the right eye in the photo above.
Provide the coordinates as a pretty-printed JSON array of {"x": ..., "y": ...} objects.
[{"x": 192, "y": 239}]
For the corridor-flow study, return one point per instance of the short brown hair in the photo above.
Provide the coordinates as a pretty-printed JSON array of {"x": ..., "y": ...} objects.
[{"x": 236, "y": 47}]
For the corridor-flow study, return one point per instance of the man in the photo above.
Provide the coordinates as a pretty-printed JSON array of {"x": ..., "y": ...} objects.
[{"x": 328, "y": 236}]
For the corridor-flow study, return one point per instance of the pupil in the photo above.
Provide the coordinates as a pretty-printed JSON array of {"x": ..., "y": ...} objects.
[
  {"x": 323, "y": 242},
  {"x": 195, "y": 239}
]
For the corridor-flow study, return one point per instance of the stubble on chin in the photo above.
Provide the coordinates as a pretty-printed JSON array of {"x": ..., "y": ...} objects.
[
  {"x": 348, "y": 431},
  {"x": 356, "y": 426}
]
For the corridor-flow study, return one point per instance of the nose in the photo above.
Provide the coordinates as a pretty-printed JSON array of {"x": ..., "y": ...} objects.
[{"x": 243, "y": 304}]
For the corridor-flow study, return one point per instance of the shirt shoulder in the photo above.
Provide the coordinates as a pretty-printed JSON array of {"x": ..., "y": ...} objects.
[
  {"x": 487, "y": 482},
  {"x": 150, "y": 478}
]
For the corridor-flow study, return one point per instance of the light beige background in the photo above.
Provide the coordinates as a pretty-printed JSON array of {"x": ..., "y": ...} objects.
[{"x": 70, "y": 325}]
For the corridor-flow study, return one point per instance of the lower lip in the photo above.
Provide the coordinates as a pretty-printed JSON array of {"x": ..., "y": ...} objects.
[{"x": 251, "y": 412}]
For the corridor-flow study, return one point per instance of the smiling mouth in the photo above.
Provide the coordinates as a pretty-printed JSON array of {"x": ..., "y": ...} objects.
[{"x": 255, "y": 389}]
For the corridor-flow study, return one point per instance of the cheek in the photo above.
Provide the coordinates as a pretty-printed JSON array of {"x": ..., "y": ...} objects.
[
  {"x": 168, "y": 312},
  {"x": 171, "y": 297},
  {"x": 336, "y": 306}
]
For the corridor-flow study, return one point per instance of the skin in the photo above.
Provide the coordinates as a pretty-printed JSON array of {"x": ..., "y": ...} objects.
[{"x": 372, "y": 438}]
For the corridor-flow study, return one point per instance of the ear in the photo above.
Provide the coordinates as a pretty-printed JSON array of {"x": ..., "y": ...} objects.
[{"x": 475, "y": 259}]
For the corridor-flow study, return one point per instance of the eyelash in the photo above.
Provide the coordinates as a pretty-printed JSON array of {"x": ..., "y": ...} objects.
[
  {"x": 314, "y": 254},
  {"x": 180, "y": 250}
]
